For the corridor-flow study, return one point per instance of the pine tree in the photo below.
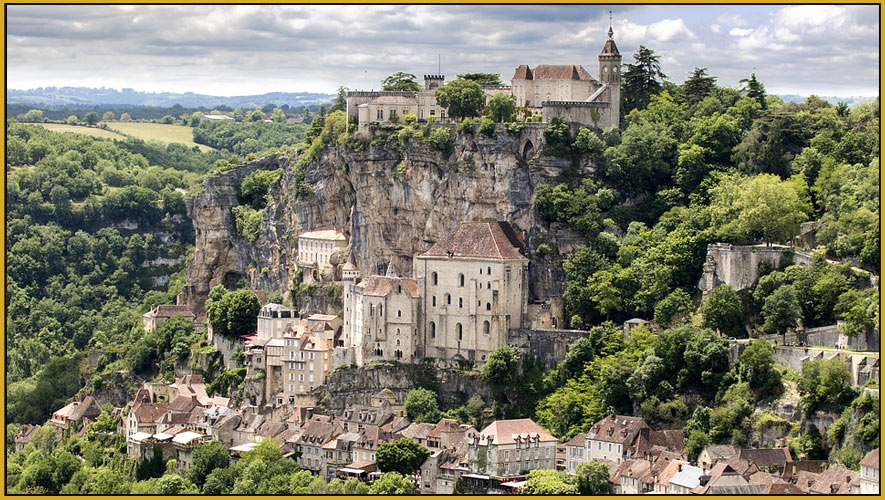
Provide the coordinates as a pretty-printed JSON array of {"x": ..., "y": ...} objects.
[
  {"x": 697, "y": 86},
  {"x": 641, "y": 80},
  {"x": 754, "y": 89}
]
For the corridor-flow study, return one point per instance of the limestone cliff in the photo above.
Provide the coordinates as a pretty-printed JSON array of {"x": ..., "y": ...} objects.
[{"x": 393, "y": 201}]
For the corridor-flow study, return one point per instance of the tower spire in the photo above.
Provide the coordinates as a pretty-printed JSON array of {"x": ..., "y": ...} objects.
[{"x": 611, "y": 32}]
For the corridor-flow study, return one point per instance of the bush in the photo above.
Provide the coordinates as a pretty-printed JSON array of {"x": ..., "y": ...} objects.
[
  {"x": 409, "y": 118},
  {"x": 487, "y": 127},
  {"x": 440, "y": 139},
  {"x": 514, "y": 127},
  {"x": 467, "y": 125}
]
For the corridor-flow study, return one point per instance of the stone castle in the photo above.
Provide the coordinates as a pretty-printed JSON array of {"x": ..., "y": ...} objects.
[{"x": 564, "y": 91}]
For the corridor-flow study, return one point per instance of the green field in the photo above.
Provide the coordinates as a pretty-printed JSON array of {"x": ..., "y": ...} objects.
[
  {"x": 158, "y": 132},
  {"x": 77, "y": 129}
]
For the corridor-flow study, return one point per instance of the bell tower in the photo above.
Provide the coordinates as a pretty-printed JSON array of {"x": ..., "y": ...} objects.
[{"x": 610, "y": 71}]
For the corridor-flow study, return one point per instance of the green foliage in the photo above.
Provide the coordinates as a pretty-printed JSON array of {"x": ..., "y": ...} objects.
[
  {"x": 748, "y": 209},
  {"x": 641, "y": 80},
  {"x": 402, "y": 456},
  {"x": 421, "y": 406},
  {"x": 34, "y": 399},
  {"x": 781, "y": 310},
  {"x": 487, "y": 127},
  {"x": 756, "y": 366},
  {"x": 392, "y": 484},
  {"x": 548, "y": 482},
  {"x": 401, "y": 81},
  {"x": 825, "y": 383},
  {"x": 232, "y": 313},
  {"x": 207, "y": 458},
  {"x": 724, "y": 312},
  {"x": 256, "y": 185},
  {"x": 673, "y": 308},
  {"x": 462, "y": 98},
  {"x": 588, "y": 144},
  {"x": 501, "y": 367},
  {"x": 502, "y": 108},
  {"x": 467, "y": 126},
  {"x": 593, "y": 478},
  {"x": 441, "y": 139},
  {"x": 482, "y": 78}
]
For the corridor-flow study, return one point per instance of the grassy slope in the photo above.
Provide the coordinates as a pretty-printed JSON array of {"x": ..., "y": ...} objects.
[
  {"x": 158, "y": 132},
  {"x": 77, "y": 129}
]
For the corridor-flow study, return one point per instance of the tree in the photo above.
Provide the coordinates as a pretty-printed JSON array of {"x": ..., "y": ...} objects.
[
  {"x": 695, "y": 444},
  {"x": 588, "y": 144},
  {"x": 220, "y": 481},
  {"x": 754, "y": 89},
  {"x": 825, "y": 383},
  {"x": 502, "y": 107},
  {"x": 482, "y": 78},
  {"x": 675, "y": 307},
  {"x": 757, "y": 367},
  {"x": 401, "y": 81},
  {"x": 781, "y": 311},
  {"x": 125, "y": 117},
  {"x": 108, "y": 116},
  {"x": 340, "y": 101},
  {"x": 91, "y": 118},
  {"x": 593, "y": 478},
  {"x": 698, "y": 86},
  {"x": 462, "y": 98},
  {"x": 500, "y": 369},
  {"x": 392, "y": 484},
  {"x": 641, "y": 80},
  {"x": 207, "y": 458},
  {"x": 403, "y": 456},
  {"x": 72, "y": 120},
  {"x": 723, "y": 312},
  {"x": 548, "y": 482},
  {"x": 421, "y": 406},
  {"x": 232, "y": 313},
  {"x": 278, "y": 115},
  {"x": 749, "y": 209}
]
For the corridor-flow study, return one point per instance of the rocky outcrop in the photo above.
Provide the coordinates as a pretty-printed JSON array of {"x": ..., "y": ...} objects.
[
  {"x": 392, "y": 200},
  {"x": 350, "y": 385}
]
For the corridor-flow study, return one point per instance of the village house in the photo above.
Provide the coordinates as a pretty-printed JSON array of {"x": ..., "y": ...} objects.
[
  {"x": 507, "y": 448},
  {"x": 316, "y": 433},
  {"x": 611, "y": 438},
  {"x": 274, "y": 319},
  {"x": 76, "y": 415},
  {"x": 713, "y": 453},
  {"x": 686, "y": 480},
  {"x": 381, "y": 316},
  {"x": 160, "y": 313},
  {"x": 869, "y": 473}
]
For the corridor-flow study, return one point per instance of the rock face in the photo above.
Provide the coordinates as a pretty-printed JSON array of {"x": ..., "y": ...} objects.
[{"x": 392, "y": 200}]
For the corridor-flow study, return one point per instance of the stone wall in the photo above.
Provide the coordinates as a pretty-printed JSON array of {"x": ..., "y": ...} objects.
[
  {"x": 547, "y": 346},
  {"x": 738, "y": 265},
  {"x": 795, "y": 357}
]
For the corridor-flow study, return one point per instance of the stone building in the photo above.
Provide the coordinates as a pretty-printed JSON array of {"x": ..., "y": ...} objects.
[
  {"x": 381, "y": 317},
  {"x": 160, "y": 313},
  {"x": 611, "y": 438},
  {"x": 507, "y": 448},
  {"x": 370, "y": 106},
  {"x": 319, "y": 253},
  {"x": 473, "y": 290},
  {"x": 273, "y": 319},
  {"x": 869, "y": 473}
]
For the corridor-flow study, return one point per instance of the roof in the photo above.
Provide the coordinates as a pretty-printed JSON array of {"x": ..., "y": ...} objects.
[
  {"x": 610, "y": 48},
  {"x": 418, "y": 431},
  {"x": 186, "y": 437},
  {"x": 395, "y": 99},
  {"x": 140, "y": 436},
  {"x": 484, "y": 240},
  {"x": 552, "y": 72},
  {"x": 167, "y": 311},
  {"x": 835, "y": 480},
  {"x": 381, "y": 286},
  {"x": 871, "y": 460},
  {"x": 766, "y": 457},
  {"x": 717, "y": 451},
  {"x": 578, "y": 440},
  {"x": 781, "y": 489},
  {"x": 149, "y": 412},
  {"x": 507, "y": 431},
  {"x": 688, "y": 477},
  {"x": 324, "y": 234},
  {"x": 322, "y": 317},
  {"x": 616, "y": 429},
  {"x": 77, "y": 410},
  {"x": 445, "y": 425}
]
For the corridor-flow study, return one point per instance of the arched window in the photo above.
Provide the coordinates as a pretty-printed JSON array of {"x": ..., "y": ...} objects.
[
  {"x": 460, "y": 280},
  {"x": 399, "y": 313},
  {"x": 434, "y": 301},
  {"x": 480, "y": 271},
  {"x": 486, "y": 327},
  {"x": 434, "y": 278},
  {"x": 489, "y": 271},
  {"x": 432, "y": 330},
  {"x": 380, "y": 310},
  {"x": 460, "y": 301},
  {"x": 489, "y": 285},
  {"x": 397, "y": 341},
  {"x": 488, "y": 306},
  {"x": 459, "y": 330},
  {"x": 397, "y": 332},
  {"x": 448, "y": 300},
  {"x": 399, "y": 289}
]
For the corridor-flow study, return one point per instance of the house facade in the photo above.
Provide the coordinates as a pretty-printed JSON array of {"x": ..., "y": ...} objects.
[{"x": 511, "y": 448}]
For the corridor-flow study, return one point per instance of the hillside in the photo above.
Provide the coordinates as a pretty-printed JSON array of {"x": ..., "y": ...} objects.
[{"x": 84, "y": 96}]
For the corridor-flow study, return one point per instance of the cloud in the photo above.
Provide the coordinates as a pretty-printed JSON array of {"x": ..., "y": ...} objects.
[{"x": 237, "y": 49}]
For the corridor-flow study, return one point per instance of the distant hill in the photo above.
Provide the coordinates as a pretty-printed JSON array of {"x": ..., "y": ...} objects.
[
  {"x": 82, "y": 96},
  {"x": 850, "y": 101}
]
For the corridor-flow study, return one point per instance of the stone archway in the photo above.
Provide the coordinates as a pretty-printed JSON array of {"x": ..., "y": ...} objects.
[{"x": 528, "y": 149}]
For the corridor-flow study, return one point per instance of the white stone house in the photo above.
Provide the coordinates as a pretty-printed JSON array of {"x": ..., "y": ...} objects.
[{"x": 508, "y": 448}]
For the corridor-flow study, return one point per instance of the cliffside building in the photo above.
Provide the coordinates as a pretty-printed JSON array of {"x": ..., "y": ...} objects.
[
  {"x": 566, "y": 91},
  {"x": 319, "y": 252}
]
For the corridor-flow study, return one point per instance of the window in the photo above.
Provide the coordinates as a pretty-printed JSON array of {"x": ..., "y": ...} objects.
[
  {"x": 432, "y": 330},
  {"x": 448, "y": 299},
  {"x": 486, "y": 327},
  {"x": 432, "y": 112},
  {"x": 488, "y": 306},
  {"x": 433, "y": 276},
  {"x": 380, "y": 310},
  {"x": 480, "y": 271},
  {"x": 380, "y": 114},
  {"x": 399, "y": 289},
  {"x": 458, "y": 329},
  {"x": 489, "y": 285},
  {"x": 460, "y": 301},
  {"x": 460, "y": 280},
  {"x": 399, "y": 313},
  {"x": 489, "y": 271},
  {"x": 434, "y": 301}
]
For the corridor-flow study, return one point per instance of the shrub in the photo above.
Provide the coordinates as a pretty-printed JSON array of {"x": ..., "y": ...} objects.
[
  {"x": 487, "y": 126},
  {"x": 409, "y": 118},
  {"x": 514, "y": 127},
  {"x": 467, "y": 125},
  {"x": 440, "y": 139}
]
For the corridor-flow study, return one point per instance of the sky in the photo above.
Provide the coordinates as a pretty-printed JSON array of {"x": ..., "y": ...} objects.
[{"x": 830, "y": 50}]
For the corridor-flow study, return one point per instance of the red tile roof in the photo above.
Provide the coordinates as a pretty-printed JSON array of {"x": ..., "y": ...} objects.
[
  {"x": 552, "y": 72},
  {"x": 381, "y": 286},
  {"x": 872, "y": 459},
  {"x": 481, "y": 239},
  {"x": 506, "y": 431}
]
